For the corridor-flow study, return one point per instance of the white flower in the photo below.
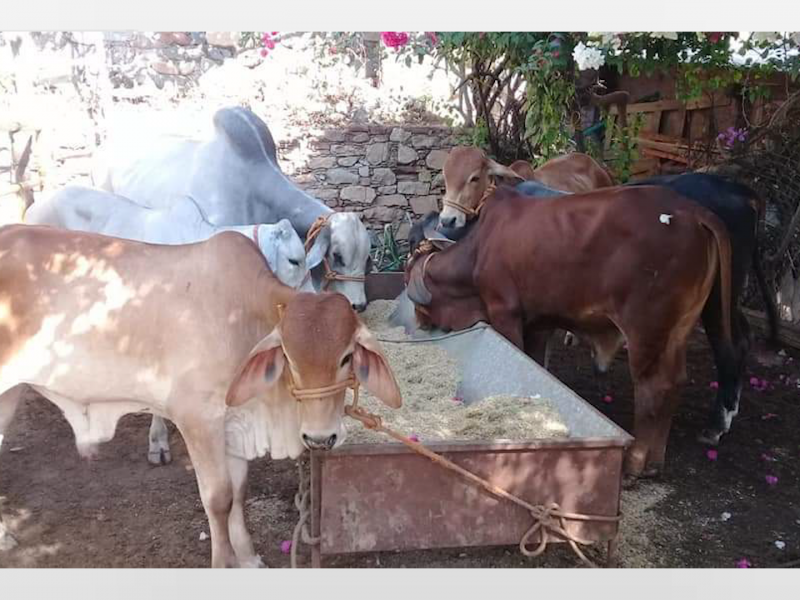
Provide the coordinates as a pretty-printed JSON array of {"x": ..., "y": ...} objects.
[
  {"x": 768, "y": 37},
  {"x": 587, "y": 57},
  {"x": 701, "y": 36},
  {"x": 668, "y": 35}
]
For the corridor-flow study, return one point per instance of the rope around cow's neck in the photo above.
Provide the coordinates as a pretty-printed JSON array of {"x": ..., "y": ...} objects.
[
  {"x": 330, "y": 275},
  {"x": 549, "y": 520},
  {"x": 472, "y": 212}
]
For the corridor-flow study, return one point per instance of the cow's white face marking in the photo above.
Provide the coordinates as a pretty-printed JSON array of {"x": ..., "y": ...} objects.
[{"x": 347, "y": 255}]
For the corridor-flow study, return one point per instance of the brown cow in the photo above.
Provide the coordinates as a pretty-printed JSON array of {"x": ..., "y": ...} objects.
[
  {"x": 104, "y": 327},
  {"x": 469, "y": 176},
  {"x": 631, "y": 265}
]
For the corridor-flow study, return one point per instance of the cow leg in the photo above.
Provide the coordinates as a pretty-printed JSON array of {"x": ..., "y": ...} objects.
[
  {"x": 656, "y": 377},
  {"x": 505, "y": 314},
  {"x": 9, "y": 401},
  {"x": 730, "y": 363},
  {"x": 158, "y": 452},
  {"x": 240, "y": 537},
  {"x": 205, "y": 442},
  {"x": 537, "y": 346}
]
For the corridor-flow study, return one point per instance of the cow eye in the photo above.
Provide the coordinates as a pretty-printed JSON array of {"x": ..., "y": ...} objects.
[
  {"x": 337, "y": 259},
  {"x": 346, "y": 359},
  {"x": 474, "y": 179}
]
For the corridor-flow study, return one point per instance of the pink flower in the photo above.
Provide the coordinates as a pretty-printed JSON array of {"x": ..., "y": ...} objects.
[
  {"x": 556, "y": 54},
  {"x": 608, "y": 398},
  {"x": 394, "y": 39},
  {"x": 754, "y": 381},
  {"x": 270, "y": 44},
  {"x": 264, "y": 52},
  {"x": 333, "y": 49},
  {"x": 712, "y": 454},
  {"x": 714, "y": 385},
  {"x": 274, "y": 33},
  {"x": 743, "y": 563},
  {"x": 771, "y": 480},
  {"x": 413, "y": 437},
  {"x": 433, "y": 37},
  {"x": 458, "y": 399},
  {"x": 286, "y": 546}
]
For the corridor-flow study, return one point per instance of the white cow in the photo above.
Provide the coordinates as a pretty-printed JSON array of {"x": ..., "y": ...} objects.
[
  {"x": 234, "y": 176},
  {"x": 84, "y": 209},
  {"x": 202, "y": 334}
]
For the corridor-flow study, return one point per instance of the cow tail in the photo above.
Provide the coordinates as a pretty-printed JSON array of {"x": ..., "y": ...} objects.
[
  {"x": 720, "y": 233},
  {"x": 758, "y": 204}
]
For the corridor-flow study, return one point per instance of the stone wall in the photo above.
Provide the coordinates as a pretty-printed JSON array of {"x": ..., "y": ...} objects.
[{"x": 383, "y": 172}]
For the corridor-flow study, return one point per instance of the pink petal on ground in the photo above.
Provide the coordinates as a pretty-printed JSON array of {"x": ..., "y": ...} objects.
[
  {"x": 458, "y": 399},
  {"x": 608, "y": 398},
  {"x": 743, "y": 563},
  {"x": 712, "y": 454},
  {"x": 714, "y": 385},
  {"x": 286, "y": 546},
  {"x": 754, "y": 381},
  {"x": 413, "y": 437},
  {"x": 768, "y": 416},
  {"x": 771, "y": 480},
  {"x": 767, "y": 457}
]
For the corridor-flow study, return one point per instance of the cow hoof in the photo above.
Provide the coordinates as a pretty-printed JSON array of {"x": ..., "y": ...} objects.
[
  {"x": 709, "y": 437},
  {"x": 161, "y": 457},
  {"x": 629, "y": 482},
  {"x": 7, "y": 541},
  {"x": 652, "y": 471},
  {"x": 253, "y": 563}
]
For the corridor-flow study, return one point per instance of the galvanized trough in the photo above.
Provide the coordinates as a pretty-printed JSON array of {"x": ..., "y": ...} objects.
[{"x": 384, "y": 497}]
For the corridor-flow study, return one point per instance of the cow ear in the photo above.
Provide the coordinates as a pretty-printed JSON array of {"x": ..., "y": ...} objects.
[
  {"x": 320, "y": 248},
  {"x": 372, "y": 369},
  {"x": 260, "y": 371},
  {"x": 503, "y": 173}
]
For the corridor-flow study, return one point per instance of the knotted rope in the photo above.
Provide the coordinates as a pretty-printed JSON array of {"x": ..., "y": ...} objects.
[
  {"x": 472, "y": 212},
  {"x": 548, "y": 520},
  {"x": 330, "y": 275}
]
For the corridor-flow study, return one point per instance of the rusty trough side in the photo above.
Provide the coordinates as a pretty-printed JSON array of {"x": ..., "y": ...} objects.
[{"x": 383, "y": 497}]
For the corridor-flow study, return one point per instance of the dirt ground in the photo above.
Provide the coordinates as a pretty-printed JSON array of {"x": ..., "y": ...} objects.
[{"x": 118, "y": 511}]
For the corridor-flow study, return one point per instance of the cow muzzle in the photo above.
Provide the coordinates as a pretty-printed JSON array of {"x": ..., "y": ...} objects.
[{"x": 319, "y": 442}]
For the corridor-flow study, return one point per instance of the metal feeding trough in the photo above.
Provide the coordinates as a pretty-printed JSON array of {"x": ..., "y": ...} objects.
[{"x": 385, "y": 497}]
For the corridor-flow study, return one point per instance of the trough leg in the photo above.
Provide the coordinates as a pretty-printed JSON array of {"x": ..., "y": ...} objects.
[
  {"x": 316, "y": 509},
  {"x": 611, "y": 553}
]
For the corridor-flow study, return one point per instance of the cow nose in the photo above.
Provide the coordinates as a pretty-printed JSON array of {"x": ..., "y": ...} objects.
[
  {"x": 447, "y": 222},
  {"x": 360, "y": 307},
  {"x": 319, "y": 443}
]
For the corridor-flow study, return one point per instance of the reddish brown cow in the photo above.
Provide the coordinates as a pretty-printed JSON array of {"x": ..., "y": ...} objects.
[
  {"x": 631, "y": 265},
  {"x": 469, "y": 176}
]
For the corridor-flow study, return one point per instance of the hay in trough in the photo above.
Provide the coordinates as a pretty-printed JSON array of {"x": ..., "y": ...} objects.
[{"x": 428, "y": 380}]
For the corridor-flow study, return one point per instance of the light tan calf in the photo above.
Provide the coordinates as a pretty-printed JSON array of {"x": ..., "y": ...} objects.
[{"x": 104, "y": 327}]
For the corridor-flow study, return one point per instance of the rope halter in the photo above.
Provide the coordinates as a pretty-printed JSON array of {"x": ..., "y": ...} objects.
[
  {"x": 472, "y": 212},
  {"x": 330, "y": 275}
]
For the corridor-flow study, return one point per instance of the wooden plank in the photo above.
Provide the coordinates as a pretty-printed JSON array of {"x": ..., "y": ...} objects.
[
  {"x": 663, "y": 105},
  {"x": 652, "y": 152},
  {"x": 788, "y": 333}
]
